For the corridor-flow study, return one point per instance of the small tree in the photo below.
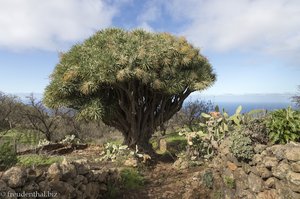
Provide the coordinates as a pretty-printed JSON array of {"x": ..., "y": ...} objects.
[
  {"x": 192, "y": 112},
  {"x": 132, "y": 80},
  {"x": 296, "y": 98},
  {"x": 41, "y": 119},
  {"x": 8, "y": 105}
]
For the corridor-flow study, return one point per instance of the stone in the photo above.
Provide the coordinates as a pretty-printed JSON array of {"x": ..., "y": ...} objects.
[
  {"x": 15, "y": 177},
  {"x": 4, "y": 190},
  {"x": 241, "y": 178},
  {"x": 259, "y": 148},
  {"x": 257, "y": 159},
  {"x": 31, "y": 174},
  {"x": 163, "y": 145},
  {"x": 270, "y": 182},
  {"x": 270, "y": 162},
  {"x": 278, "y": 151},
  {"x": 231, "y": 166},
  {"x": 255, "y": 183},
  {"x": 281, "y": 170},
  {"x": 44, "y": 186},
  {"x": 31, "y": 187},
  {"x": 131, "y": 162},
  {"x": 295, "y": 166},
  {"x": 64, "y": 189},
  {"x": 264, "y": 172},
  {"x": 92, "y": 190},
  {"x": 82, "y": 166},
  {"x": 80, "y": 179},
  {"x": 268, "y": 194},
  {"x": 246, "y": 168},
  {"x": 68, "y": 170},
  {"x": 293, "y": 178},
  {"x": 293, "y": 153},
  {"x": 54, "y": 172}
]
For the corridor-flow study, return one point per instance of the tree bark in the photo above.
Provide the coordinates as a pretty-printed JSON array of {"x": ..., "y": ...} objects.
[{"x": 140, "y": 110}]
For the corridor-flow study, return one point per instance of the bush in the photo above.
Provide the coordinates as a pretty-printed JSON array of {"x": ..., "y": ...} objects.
[
  {"x": 8, "y": 156},
  {"x": 241, "y": 147},
  {"x": 131, "y": 179},
  {"x": 284, "y": 125},
  {"x": 257, "y": 131}
]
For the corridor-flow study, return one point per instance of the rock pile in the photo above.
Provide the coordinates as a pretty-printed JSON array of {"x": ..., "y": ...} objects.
[
  {"x": 65, "y": 180},
  {"x": 274, "y": 172}
]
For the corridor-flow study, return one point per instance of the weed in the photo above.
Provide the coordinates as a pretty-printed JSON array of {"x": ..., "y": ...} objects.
[
  {"x": 131, "y": 179},
  {"x": 229, "y": 182}
]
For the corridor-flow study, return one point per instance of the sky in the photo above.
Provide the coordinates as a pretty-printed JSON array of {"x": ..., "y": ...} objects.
[{"x": 253, "y": 45}]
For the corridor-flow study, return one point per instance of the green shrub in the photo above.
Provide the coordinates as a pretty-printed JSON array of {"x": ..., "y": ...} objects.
[
  {"x": 208, "y": 179},
  {"x": 229, "y": 182},
  {"x": 131, "y": 179},
  {"x": 241, "y": 146},
  {"x": 257, "y": 131},
  {"x": 284, "y": 125},
  {"x": 8, "y": 156}
]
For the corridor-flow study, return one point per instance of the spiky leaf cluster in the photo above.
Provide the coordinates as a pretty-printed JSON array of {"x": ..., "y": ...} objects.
[{"x": 87, "y": 76}]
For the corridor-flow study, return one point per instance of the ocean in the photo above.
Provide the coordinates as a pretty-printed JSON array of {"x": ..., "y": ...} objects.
[{"x": 230, "y": 107}]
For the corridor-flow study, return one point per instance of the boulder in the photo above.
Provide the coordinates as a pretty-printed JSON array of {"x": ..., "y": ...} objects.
[
  {"x": 92, "y": 190},
  {"x": 293, "y": 178},
  {"x": 54, "y": 172},
  {"x": 4, "y": 190},
  {"x": 281, "y": 170},
  {"x": 268, "y": 194},
  {"x": 295, "y": 166},
  {"x": 231, "y": 166},
  {"x": 15, "y": 177},
  {"x": 131, "y": 162},
  {"x": 68, "y": 170},
  {"x": 293, "y": 153},
  {"x": 264, "y": 172},
  {"x": 270, "y": 162},
  {"x": 31, "y": 187},
  {"x": 255, "y": 183},
  {"x": 82, "y": 166},
  {"x": 270, "y": 182},
  {"x": 64, "y": 189},
  {"x": 259, "y": 148}
]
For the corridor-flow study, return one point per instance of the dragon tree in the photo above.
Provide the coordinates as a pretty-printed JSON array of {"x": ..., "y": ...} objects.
[{"x": 131, "y": 80}]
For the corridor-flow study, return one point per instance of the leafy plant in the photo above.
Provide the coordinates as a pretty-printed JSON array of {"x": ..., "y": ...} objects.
[
  {"x": 229, "y": 181},
  {"x": 117, "y": 152},
  {"x": 131, "y": 179},
  {"x": 241, "y": 146},
  {"x": 284, "y": 125},
  {"x": 8, "y": 156},
  {"x": 208, "y": 179},
  {"x": 198, "y": 146},
  {"x": 257, "y": 131}
]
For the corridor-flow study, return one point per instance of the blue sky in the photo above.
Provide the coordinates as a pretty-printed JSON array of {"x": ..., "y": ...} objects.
[{"x": 253, "y": 45}]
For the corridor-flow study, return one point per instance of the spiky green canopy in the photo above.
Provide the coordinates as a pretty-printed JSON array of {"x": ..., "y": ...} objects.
[{"x": 88, "y": 75}]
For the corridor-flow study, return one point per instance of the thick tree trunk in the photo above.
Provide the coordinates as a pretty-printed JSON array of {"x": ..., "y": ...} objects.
[{"x": 139, "y": 139}]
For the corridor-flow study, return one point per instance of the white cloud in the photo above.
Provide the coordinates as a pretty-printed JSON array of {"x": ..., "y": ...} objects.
[
  {"x": 50, "y": 24},
  {"x": 271, "y": 26}
]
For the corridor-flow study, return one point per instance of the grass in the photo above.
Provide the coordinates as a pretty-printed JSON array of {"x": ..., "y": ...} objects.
[
  {"x": 131, "y": 178},
  {"x": 175, "y": 143},
  {"x": 37, "y": 160}
]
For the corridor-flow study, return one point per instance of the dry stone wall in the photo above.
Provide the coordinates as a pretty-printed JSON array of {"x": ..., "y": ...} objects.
[
  {"x": 66, "y": 180},
  {"x": 273, "y": 173}
]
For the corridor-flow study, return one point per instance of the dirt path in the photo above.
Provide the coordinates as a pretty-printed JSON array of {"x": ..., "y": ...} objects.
[{"x": 164, "y": 181}]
